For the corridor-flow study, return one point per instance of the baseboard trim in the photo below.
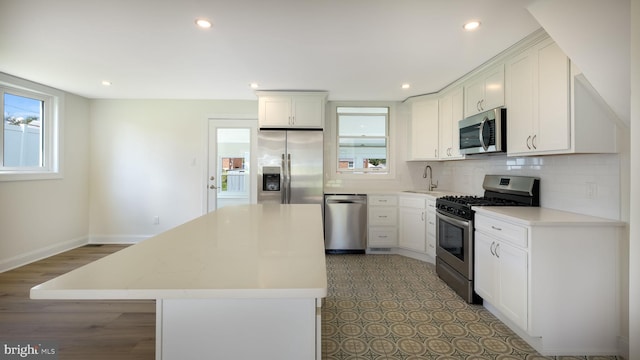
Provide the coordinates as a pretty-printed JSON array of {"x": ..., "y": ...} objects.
[
  {"x": 117, "y": 239},
  {"x": 29, "y": 257}
]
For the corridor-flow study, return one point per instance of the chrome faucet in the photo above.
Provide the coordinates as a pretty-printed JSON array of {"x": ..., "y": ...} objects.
[{"x": 428, "y": 174}]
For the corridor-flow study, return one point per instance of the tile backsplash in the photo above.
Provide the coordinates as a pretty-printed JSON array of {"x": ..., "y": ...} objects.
[{"x": 587, "y": 184}]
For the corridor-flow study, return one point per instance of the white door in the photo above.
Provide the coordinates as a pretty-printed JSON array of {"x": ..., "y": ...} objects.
[{"x": 231, "y": 176}]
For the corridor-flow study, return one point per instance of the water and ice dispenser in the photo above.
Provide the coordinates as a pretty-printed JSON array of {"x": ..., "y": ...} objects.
[{"x": 271, "y": 178}]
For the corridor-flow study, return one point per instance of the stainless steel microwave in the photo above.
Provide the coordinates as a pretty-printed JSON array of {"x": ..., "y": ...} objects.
[{"x": 485, "y": 132}]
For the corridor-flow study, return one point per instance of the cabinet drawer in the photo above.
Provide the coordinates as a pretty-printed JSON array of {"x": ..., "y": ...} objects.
[
  {"x": 382, "y": 200},
  {"x": 383, "y": 237},
  {"x": 514, "y": 234},
  {"x": 413, "y": 202},
  {"x": 379, "y": 215}
]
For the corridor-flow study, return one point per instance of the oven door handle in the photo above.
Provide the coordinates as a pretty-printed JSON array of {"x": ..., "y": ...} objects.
[{"x": 445, "y": 218}]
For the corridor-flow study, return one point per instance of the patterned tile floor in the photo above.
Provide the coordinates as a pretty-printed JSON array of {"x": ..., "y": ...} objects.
[{"x": 392, "y": 307}]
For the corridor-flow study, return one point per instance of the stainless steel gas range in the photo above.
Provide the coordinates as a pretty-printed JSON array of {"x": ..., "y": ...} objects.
[{"x": 454, "y": 228}]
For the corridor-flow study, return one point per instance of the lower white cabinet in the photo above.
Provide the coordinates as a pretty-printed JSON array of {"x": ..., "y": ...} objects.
[
  {"x": 501, "y": 276},
  {"x": 382, "y": 221},
  {"x": 551, "y": 276},
  {"x": 431, "y": 227},
  {"x": 412, "y": 228}
]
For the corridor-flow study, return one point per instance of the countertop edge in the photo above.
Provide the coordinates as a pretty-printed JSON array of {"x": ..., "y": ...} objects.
[{"x": 572, "y": 218}]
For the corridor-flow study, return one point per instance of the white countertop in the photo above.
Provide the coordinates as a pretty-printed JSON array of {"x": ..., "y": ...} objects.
[
  {"x": 525, "y": 215},
  {"x": 249, "y": 251}
]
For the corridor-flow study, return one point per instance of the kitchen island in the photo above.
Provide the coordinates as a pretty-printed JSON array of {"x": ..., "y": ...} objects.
[{"x": 243, "y": 282}]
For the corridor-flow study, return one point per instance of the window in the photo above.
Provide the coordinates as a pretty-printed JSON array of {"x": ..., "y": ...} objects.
[
  {"x": 28, "y": 135},
  {"x": 363, "y": 139}
]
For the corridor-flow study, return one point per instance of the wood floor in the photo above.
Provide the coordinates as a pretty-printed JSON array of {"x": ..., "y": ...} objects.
[{"x": 85, "y": 330}]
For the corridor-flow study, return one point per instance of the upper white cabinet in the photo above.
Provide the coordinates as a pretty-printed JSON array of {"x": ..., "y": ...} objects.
[
  {"x": 485, "y": 91},
  {"x": 549, "y": 111},
  {"x": 450, "y": 113},
  {"x": 291, "y": 109},
  {"x": 423, "y": 133}
]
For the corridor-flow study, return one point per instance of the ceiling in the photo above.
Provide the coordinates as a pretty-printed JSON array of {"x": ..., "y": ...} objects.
[{"x": 354, "y": 49}]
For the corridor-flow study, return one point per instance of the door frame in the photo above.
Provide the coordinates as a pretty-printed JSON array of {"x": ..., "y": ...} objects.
[{"x": 232, "y": 120}]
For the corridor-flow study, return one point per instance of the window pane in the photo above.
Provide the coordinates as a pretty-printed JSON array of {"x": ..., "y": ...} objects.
[
  {"x": 362, "y": 125},
  {"x": 22, "y": 131},
  {"x": 362, "y": 139}
]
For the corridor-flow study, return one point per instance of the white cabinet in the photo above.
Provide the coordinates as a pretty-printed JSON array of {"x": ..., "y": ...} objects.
[
  {"x": 549, "y": 112},
  {"x": 423, "y": 132},
  {"x": 538, "y": 100},
  {"x": 382, "y": 221},
  {"x": 485, "y": 91},
  {"x": 431, "y": 227},
  {"x": 552, "y": 276},
  {"x": 412, "y": 223},
  {"x": 501, "y": 276},
  {"x": 450, "y": 112},
  {"x": 291, "y": 109}
]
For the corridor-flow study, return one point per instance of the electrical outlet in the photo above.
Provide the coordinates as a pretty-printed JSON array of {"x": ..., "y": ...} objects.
[
  {"x": 156, "y": 220},
  {"x": 592, "y": 190}
]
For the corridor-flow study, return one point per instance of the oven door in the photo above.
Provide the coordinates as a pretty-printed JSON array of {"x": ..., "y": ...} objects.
[{"x": 454, "y": 243}]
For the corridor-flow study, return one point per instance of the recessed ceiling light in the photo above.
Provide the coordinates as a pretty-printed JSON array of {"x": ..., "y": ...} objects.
[
  {"x": 106, "y": 82},
  {"x": 203, "y": 23},
  {"x": 254, "y": 85},
  {"x": 406, "y": 86},
  {"x": 471, "y": 25}
]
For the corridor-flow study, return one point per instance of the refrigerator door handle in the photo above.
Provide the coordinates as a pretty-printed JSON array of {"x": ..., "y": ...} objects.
[
  {"x": 283, "y": 189},
  {"x": 288, "y": 178}
]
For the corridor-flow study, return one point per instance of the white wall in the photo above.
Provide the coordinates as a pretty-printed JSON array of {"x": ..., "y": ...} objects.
[
  {"x": 148, "y": 159},
  {"x": 41, "y": 217}
]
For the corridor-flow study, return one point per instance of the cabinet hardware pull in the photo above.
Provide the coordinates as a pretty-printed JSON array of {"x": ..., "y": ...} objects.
[
  {"x": 383, "y": 236},
  {"x": 533, "y": 141},
  {"x": 478, "y": 105},
  {"x": 382, "y": 216},
  {"x": 528, "y": 138},
  {"x": 496, "y": 228},
  {"x": 382, "y": 200},
  {"x": 423, "y": 216},
  {"x": 481, "y": 104},
  {"x": 497, "y": 254},
  {"x": 493, "y": 243}
]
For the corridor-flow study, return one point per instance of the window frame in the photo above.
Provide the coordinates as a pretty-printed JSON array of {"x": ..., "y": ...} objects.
[
  {"x": 389, "y": 171},
  {"x": 51, "y": 127}
]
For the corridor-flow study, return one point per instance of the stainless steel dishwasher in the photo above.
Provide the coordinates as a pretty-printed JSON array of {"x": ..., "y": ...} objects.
[{"x": 345, "y": 223}]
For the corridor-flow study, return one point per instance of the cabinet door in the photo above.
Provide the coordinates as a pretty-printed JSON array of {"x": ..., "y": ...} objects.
[
  {"x": 554, "y": 122},
  {"x": 412, "y": 229},
  {"x": 493, "y": 89},
  {"x": 431, "y": 232},
  {"x": 513, "y": 284},
  {"x": 457, "y": 114},
  {"x": 474, "y": 94},
  {"x": 520, "y": 103},
  {"x": 424, "y": 130},
  {"x": 445, "y": 119},
  {"x": 274, "y": 111},
  {"x": 307, "y": 111},
  {"x": 485, "y": 267}
]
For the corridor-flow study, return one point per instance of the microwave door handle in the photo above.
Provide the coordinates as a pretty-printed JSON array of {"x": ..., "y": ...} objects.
[{"x": 482, "y": 125}]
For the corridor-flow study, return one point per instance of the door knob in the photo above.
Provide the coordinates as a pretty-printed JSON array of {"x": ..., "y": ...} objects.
[
  {"x": 212, "y": 177},
  {"x": 212, "y": 187}
]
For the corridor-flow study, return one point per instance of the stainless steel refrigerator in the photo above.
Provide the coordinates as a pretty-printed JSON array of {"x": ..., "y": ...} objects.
[{"x": 290, "y": 166}]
